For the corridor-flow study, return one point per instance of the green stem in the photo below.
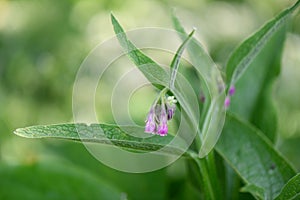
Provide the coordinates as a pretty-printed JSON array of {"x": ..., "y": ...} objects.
[
  {"x": 211, "y": 164},
  {"x": 161, "y": 95},
  {"x": 206, "y": 182},
  {"x": 208, "y": 171},
  {"x": 203, "y": 166}
]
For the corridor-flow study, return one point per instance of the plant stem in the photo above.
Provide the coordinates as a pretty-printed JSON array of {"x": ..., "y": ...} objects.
[
  {"x": 208, "y": 171},
  {"x": 211, "y": 164},
  {"x": 206, "y": 182},
  {"x": 161, "y": 94}
]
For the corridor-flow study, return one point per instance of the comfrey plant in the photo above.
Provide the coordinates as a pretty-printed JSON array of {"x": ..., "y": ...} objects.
[{"x": 230, "y": 147}]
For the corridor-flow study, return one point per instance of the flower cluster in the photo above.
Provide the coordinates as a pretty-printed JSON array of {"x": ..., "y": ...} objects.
[{"x": 159, "y": 115}]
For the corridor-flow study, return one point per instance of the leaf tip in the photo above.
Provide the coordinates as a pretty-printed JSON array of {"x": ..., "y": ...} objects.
[
  {"x": 19, "y": 132},
  {"x": 173, "y": 12},
  {"x": 112, "y": 17},
  {"x": 16, "y": 131}
]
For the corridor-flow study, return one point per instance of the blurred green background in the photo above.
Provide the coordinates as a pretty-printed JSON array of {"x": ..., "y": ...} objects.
[{"x": 43, "y": 43}]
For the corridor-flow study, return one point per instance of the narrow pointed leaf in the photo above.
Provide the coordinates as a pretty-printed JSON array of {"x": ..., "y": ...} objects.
[
  {"x": 211, "y": 79},
  {"x": 176, "y": 60},
  {"x": 244, "y": 55},
  {"x": 253, "y": 68},
  {"x": 152, "y": 71},
  {"x": 253, "y": 100}
]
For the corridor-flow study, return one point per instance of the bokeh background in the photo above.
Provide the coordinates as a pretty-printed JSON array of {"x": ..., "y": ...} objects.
[{"x": 43, "y": 43}]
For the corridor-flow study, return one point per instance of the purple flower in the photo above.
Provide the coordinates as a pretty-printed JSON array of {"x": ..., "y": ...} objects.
[
  {"x": 159, "y": 114},
  {"x": 150, "y": 122},
  {"x": 231, "y": 90},
  {"x": 162, "y": 128},
  {"x": 171, "y": 106},
  {"x": 171, "y": 112},
  {"x": 227, "y": 102}
]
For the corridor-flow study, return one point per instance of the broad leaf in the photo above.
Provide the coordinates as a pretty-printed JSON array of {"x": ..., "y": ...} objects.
[
  {"x": 107, "y": 134},
  {"x": 52, "y": 181},
  {"x": 254, "y": 158},
  {"x": 291, "y": 190},
  {"x": 254, "y": 190},
  {"x": 77, "y": 154},
  {"x": 259, "y": 57}
]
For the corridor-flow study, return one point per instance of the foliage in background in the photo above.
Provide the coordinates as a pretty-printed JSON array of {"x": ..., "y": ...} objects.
[{"x": 39, "y": 59}]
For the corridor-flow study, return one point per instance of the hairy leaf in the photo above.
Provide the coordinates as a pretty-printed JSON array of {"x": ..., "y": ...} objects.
[
  {"x": 254, "y": 158},
  {"x": 152, "y": 71},
  {"x": 106, "y": 134}
]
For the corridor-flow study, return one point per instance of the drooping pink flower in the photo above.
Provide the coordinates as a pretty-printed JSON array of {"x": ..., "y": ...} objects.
[
  {"x": 162, "y": 128},
  {"x": 150, "y": 122},
  {"x": 159, "y": 114}
]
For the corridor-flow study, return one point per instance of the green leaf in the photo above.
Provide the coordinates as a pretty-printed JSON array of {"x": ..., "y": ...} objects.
[
  {"x": 244, "y": 55},
  {"x": 253, "y": 189},
  {"x": 52, "y": 181},
  {"x": 289, "y": 147},
  {"x": 152, "y": 71},
  {"x": 291, "y": 190},
  {"x": 77, "y": 154},
  {"x": 176, "y": 60},
  {"x": 259, "y": 57},
  {"x": 254, "y": 158},
  {"x": 107, "y": 134},
  {"x": 157, "y": 75},
  {"x": 208, "y": 187},
  {"x": 211, "y": 79},
  {"x": 253, "y": 100}
]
